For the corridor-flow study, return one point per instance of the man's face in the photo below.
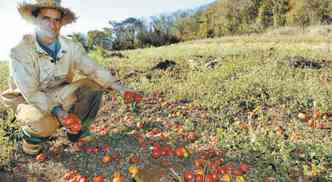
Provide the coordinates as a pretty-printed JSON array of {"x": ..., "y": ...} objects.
[{"x": 52, "y": 18}]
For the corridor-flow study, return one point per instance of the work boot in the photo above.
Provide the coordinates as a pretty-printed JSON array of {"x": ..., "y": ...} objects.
[
  {"x": 83, "y": 135},
  {"x": 31, "y": 144},
  {"x": 31, "y": 149}
]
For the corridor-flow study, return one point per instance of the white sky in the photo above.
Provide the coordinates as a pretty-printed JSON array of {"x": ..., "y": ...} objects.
[{"x": 93, "y": 14}]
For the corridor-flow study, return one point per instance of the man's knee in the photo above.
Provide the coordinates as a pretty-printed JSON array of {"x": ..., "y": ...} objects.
[
  {"x": 35, "y": 122},
  {"x": 88, "y": 103},
  {"x": 88, "y": 83}
]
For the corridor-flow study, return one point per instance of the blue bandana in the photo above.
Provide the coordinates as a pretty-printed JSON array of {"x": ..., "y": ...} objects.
[{"x": 52, "y": 49}]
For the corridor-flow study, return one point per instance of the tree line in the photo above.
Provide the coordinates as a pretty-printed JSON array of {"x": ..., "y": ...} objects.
[{"x": 220, "y": 18}]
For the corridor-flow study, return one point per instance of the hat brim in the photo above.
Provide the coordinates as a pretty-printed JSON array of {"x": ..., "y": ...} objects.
[{"x": 26, "y": 11}]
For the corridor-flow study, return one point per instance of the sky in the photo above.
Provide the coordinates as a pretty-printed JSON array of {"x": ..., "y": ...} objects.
[{"x": 93, "y": 14}]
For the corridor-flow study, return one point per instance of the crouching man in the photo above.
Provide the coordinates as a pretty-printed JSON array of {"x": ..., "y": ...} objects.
[{"x": 41, "y": 86}]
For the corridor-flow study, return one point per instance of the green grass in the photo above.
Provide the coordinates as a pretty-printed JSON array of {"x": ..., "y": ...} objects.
[
  {"x": 252, "y": 84},
  {"x": 4, "y": 75},
  {"x": 253, "y": 74}
]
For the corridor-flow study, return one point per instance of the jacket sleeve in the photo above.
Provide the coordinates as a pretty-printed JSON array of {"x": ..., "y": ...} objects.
[
  {"x": 94, "y": 71},
  {"x": 25, "y": 77}
]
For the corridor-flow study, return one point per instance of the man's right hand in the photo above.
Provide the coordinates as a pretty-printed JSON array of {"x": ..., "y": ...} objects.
[{"x": 131, "y": 96}]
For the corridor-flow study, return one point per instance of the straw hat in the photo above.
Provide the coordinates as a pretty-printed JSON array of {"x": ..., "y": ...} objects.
[{"x": 26, "y": 10}]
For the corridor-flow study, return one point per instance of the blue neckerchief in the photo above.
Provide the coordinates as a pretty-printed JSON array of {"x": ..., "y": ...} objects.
[{"x": 52, "y": 49}]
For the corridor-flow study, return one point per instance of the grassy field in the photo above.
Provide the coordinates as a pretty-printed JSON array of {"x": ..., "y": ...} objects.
[
  {"x": 4, "y": 75},
  {"x": 253, "y": 89}
]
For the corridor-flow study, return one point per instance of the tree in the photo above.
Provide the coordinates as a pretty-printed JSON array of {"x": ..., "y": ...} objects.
[
  {"x": 126, "y": 33},
  {"x": 279, "y": 10},
  {"x": 97, "y": 38},
  {"x": 300, "y": 14},
  {"x": 265, "y": 15},
  {"x": 237, "y": 15},
  {"x": 80, "y": 38},
  {"x": 308, "y": 12}
]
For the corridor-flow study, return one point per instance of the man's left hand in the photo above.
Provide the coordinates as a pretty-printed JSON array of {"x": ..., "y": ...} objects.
[{"x": 72, "y": 123}]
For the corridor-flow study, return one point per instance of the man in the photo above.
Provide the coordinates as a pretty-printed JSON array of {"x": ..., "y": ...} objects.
[{"x": 41, "y": 86}]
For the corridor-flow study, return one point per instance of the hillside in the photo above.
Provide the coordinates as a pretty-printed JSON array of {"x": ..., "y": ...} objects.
[
  {"x": 231, "y": 17},
  {"x": 217, "y": 19},
  {"x": 259, "y": 101}
]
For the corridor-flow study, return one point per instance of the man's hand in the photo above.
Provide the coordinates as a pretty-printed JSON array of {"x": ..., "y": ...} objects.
[
  {"x": 72, "y": 123},
  {"x": 131, "y": 96}
]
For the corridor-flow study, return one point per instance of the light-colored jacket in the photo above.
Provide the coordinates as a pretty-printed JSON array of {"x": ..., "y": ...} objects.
[{"x": 36, "y": 80}]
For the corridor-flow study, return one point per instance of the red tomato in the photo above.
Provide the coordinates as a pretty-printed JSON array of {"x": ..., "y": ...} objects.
[
  {"x": 75, "y": 178},
  {"x": 191, "y": 136},
  {"x": 41, "y": 157},
  {"x": 266, "y": 179},
  {"x": 181, "y": 152},
  {"x": 156, "y": 146},
  {"x": 75, "y": 127},
  {"x": 228, "y": 168},
  {"x": 212, "y": 177},
  {"x": 92, "y": 150},
  {"x": 83, "y": 179},
  {"x": 106, "y": 148},
  {"x": 70, "y": 174},
  {"x": 209, "y": 178},
  {"x": 156, "y": 153},
  {"x": 140, "y": 125},
  {"x": 106, "y": 159},
  {"x": 213, "y": 164},
  {"x": 168, "y": 149},
  {"x": 198, "y": 178},
  {"x": 237, "y": 172},
  {"x": 220, "y": 170},
  {"x": 68, "y": 122},
  {"x": 244, "y": 167},
  {"x": 321, "y": 126},
  {"x": 163, "y": 152},
  {"x": 118, "y": 177},
  {"x": 98, "y": 179},
  {"x": 199, "y": 163},
  {"x": 188, "y": 176},
  {"x": 70, "y": 119},
  {"x": 130, "y": 96}
]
